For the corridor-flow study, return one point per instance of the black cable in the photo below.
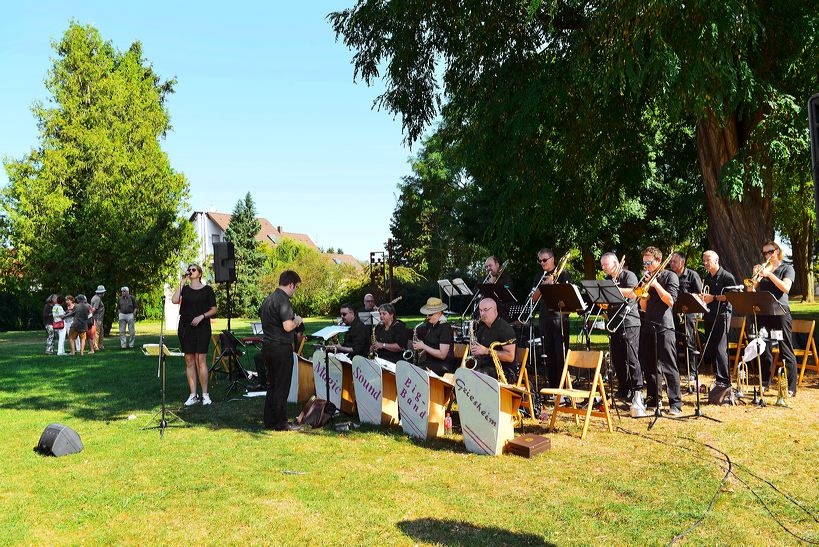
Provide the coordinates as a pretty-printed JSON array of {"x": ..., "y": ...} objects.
[{"x": 729, "y": 472}]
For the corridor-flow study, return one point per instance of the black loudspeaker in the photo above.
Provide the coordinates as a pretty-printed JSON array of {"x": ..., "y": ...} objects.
[
  {"x": 58, "y": 440},
  {"x": 224, "y": 262}
]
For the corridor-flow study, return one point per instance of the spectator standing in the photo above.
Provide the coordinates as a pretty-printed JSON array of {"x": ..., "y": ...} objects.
[
  {"x": 99, "y": 313},
  {"x": 127, "y": 308},
  {"x": 79, "y": 327},
  {"x": 58, "y": 313},
  {"x": 48, "y": 323}
]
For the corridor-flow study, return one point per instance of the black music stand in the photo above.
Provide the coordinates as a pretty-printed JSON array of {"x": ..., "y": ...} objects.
[
  {"x": 562, "y": 298},
  {"x": 231, "y": 352},
  {"x": 691, "y": 303},
  {"x": 605, "y": 292},
  {"x": 500, "y": 294},
  {"x": 755, "y": 303}
]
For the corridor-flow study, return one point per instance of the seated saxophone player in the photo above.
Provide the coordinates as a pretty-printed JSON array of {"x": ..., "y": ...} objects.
[
  {"x": 391, "y": 336},
  {"x": 625, "y": 340},
  {"x": 718, "y": 318},
  {"x": 435, "y": 339},
  {"x": 493, "y": 328},
  {"x": 776, "y": 277},
  {"x": 357, "y": 339}
]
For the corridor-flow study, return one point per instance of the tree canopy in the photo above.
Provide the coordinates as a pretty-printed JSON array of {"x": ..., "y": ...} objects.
[
  {"x": 96, "y": 201},
  {"x": 250, "y": 257}
]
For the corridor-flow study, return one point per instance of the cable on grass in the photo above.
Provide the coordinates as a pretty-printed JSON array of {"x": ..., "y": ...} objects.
[{"x": 725, "y": 459}]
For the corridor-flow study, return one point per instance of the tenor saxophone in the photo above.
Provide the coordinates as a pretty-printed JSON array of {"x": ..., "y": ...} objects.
[{"x": 373, "y": 342}]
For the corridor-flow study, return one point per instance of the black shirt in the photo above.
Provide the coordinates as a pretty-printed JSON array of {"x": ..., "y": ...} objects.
[
  {"x": 434, "y": 336},
  {"x": 626, "y": 280},
  {"x": 195, "y": 302},
  {"x": 783, "y": 271},
  {"x": 274, "y": 311},
  {"x": 656, "y": 309},
  {"x": 544, "y": 311},
  {"x": 690, "y": 282},
  {"x": 500, "y": 331},
  {"x": 398, "y": 333},
  {"x": 716, "y": 284},
  {"x": 358, "y": 338}
]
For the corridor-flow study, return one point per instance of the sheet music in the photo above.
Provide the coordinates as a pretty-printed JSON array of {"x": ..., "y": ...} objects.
[
  {"x": 447, "y": 287},
  {"x": 328, "y": 332},
  {"x": 461, "y": 286}
]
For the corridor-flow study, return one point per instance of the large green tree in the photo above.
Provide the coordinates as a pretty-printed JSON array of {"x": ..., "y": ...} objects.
[
  {"x": 96, "y": 201},
  {"x": 573, "y": 93},
  {"x": 250, "y": 257}
]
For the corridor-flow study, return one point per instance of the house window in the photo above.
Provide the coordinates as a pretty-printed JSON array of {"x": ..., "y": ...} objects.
[{"x": 215, "y": 238}]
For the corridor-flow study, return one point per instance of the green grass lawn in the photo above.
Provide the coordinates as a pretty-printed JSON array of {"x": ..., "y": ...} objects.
[{"x": 223, "y": 479}]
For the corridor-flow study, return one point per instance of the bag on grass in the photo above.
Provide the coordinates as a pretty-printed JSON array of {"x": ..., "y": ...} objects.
[
  {"x": 316, "y": 412},
  {"x": 721, "y": 395}
]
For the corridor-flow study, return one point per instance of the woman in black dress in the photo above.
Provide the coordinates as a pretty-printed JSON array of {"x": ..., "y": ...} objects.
[{"x": 197, "y": 305}]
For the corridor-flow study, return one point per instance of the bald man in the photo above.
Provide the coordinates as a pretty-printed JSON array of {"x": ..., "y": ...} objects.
[
  {"x": 493, "y": 328},
  {"x": 718, "y": 318}
]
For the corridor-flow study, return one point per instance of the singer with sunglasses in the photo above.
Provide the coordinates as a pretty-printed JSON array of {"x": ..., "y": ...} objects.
[
  {"x": 197, "y": 304},
  {"x": 776, "y": 277},
  {"x": 553, "y": 346}
]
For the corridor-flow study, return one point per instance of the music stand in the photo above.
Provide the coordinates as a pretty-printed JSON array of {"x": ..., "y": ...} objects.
[
  {"x": 370, "y": 318},
  {"x": 562, "y": 298},
  {"x": 464, "y": 290},
  {"x": 325, "y": 335},
  {"x": 755, "y": 303},
  {"x": 163, "y": 412},
  {"x": 605, "y": 292},
  {"x": 691, "y": 303},
  {"x": 230, "y": 351},
  {"x": 446, "y": 286}
]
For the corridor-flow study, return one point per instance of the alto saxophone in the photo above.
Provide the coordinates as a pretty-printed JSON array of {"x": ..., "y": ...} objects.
[
  {"x": 410, "y": 354},
  {"x": 373, "y": 342}
]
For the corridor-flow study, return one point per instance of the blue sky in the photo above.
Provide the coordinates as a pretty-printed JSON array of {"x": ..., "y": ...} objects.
[{"x": 265, "y": 103}]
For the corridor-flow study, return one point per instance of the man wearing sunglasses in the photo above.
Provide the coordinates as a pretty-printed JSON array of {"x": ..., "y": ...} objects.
[
  {"x": 658, "y": 355},
  {"x": 357, "y": 339},
  {"x": 554, "y": 345}
]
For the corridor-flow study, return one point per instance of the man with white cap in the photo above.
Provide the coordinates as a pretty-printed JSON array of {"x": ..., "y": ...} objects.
[
  {"x": 99, "y": 313},
  {"x": 127, "y": 307}
]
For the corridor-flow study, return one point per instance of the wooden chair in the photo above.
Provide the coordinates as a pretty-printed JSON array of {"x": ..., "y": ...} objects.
[
  {"x": 459, "y": 350},
  {"x": 586, "y": 360},
  {"x": 737, "y": 323},
  {"x": 522, "y": 357},
  {"x": 802, "y": 326},
  {"x": 152, "y": 350}
]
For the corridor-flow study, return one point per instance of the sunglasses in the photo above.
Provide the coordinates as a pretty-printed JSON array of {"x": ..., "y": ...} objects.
[
  {"x": 544, "y": 260},
  {"x": 648, "y": 262},
  {"x": 768, "y": 252}
]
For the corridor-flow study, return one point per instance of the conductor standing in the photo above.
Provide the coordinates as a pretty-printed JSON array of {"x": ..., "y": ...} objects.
[{"x": 278, "y": 323}]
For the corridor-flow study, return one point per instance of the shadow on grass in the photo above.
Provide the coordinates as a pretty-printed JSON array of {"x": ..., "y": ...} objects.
[{"x": 453, "y": 532}]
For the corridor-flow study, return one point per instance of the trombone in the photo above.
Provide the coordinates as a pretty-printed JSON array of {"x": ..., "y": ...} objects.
[
  {"x": 640, "y": 291},
  {"x": 529, "y": 307}
]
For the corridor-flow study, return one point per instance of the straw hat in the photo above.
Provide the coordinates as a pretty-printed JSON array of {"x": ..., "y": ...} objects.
[{"x": 433, "y": 305}]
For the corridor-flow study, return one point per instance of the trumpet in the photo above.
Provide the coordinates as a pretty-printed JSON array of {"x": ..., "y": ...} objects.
[
  {"x": 757, "y": 277},
  {"x": 781, "y": 385},
  {"x": 529, "y": 307},
  {"x": 469, "y": 360},
  {"x": 641, "y": 290}
]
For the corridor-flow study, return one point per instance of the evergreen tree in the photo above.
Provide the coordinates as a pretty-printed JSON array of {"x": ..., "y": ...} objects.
[{"x": 250, "y": 257}]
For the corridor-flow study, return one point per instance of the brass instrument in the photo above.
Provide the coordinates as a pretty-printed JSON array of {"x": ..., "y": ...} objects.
[
  {"x": 477, "y": 294},
  {"x": 410, "y": 354},
  {"x": 495, "y": 359},
  {"x": 781, "y": 386},
  {"x": 641, "y": 290},
  {"x": 373, "y": 342},
  {"x": 469, "y": 360},
  {"x": 757, "y": 277},
  {"x": 742, "y": 378},
  {"x": 619, "y": 270},
  {"x": 529, "y": 307}
]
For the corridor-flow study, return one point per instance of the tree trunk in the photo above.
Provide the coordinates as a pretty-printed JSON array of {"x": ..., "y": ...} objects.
[
  {"x": 589, "y": 264},
  {"x": 736, "y": 229},
  {"x": 801, "y": 240}
]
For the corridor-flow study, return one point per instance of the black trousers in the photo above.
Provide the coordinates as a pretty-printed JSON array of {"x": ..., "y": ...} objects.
[
  {"x": 261, "y": 368},
  {"x": 686, "y": 328},
  {"x": 554, "y": 346},
  {"x": 664, "y": 362},
  {"x": 278, "y": 359},
  {"x": 625, "y": 358},
  {"x": 786, "y": 355},
  {"x": 716, "y": 347}
]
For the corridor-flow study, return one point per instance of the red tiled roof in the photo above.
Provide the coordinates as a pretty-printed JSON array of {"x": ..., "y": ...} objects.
[{"x": 268, "y": 234}]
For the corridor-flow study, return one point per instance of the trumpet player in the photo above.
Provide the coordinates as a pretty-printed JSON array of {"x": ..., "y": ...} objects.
[
  {"x": 718, "y": 318},
  {"x": 391, "y": 335},
  {"x": 658, "y": 355},
  {"x": 776, "y": 277},
  {"x": 554, "y": 345},
  {"x": 435, "y": 339},
  {"x": 357, "y": 339},
  {"x": 625, "y": 340},
  {"x": 493, "y": 328},
  {"x": 690, "y": 282}
]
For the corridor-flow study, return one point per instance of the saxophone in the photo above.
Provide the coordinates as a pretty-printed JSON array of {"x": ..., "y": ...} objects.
[
  {"x": 495, "y": 359},
  {"x": 468, "y": 359},
  {"x": 410, "y": 354},
  {"x": 373, "y": 342}
]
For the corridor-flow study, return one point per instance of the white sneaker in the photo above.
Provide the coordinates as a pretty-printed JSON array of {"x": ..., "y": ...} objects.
[
  {"x": 205, "y": 399},
  {"x": 193, "y": 399}
]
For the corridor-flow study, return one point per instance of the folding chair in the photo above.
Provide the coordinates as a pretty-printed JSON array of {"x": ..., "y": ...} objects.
[
  {"x": 737, "y": 323},
  {"x": 802, "y": 326},
  {"x": 586, "y": 360},
  {"x": 522, "y": 358},
  {"x": 152, "y": 350}
]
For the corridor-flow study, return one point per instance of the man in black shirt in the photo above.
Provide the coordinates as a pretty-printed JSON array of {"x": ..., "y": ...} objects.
[
  {"x": 278, "y": 323},
  {"x": 357, "y": 338},
  {"x": 657, "y": 333},
  {"x": 554, "y": 326},
  {"x": 625, "y": 340},
  {"x": 718, "y": 318},
  {"x": 685, "y": 325},
  {"x": 435, "y": 339},
  {"x": 495, "y": 276},
  {"x": 493, "y": 329},
  {"x": 777, "y": 279}
]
